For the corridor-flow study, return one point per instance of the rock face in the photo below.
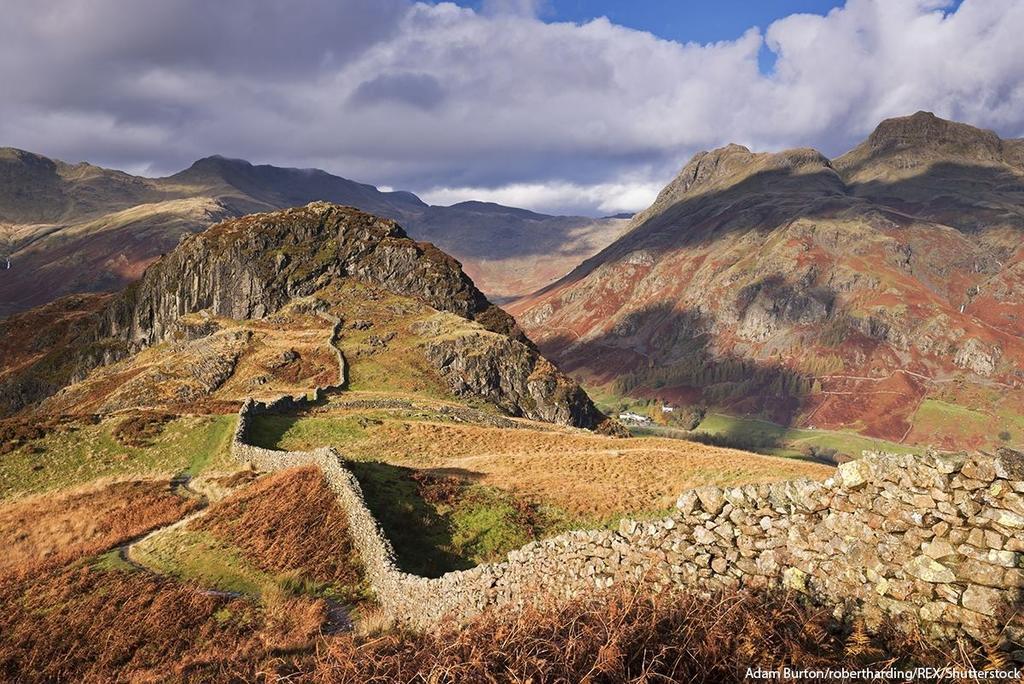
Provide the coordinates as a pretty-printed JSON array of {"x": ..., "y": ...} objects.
[
  {"x": 249, "y": 268},
  {"x": 513, "y": 377},
  {"x": 841, "y": 294}
]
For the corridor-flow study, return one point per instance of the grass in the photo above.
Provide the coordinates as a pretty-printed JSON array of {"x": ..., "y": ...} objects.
[
  {"x": 754, "y": 434},
  {"x": 214, "y": 447},
  {"x": 948, "y": 422},
  {"x": 93, "y": 621},
  {"x": 112, "y": 561},
  {"x": 437, "y": 524},
  {"x": 284, "y": 534},
  {"x": 778, "y": 440},
  {"x": 130, "y": 626},
  {"x": 590, "y": 477},
  {"x": 270, "y": 431},
  {"x": 62, "y": 460},
  {"x": 199, "y": 557},
  {"x": 488, "y": 523},
  {"x": 386, "y": 356},
  {"x": 628, "y": 635},
  {"x": 46, "y": 529}
]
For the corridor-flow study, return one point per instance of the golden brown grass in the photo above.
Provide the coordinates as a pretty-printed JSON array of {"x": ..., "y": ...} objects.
[
  {"x": 86, "y": 624},
  {"x": 585, "y": 474},
  {"x": 288, "y": 522},
  {"x": 54, "y": 528},
  {"x": 626, "y": 636},
  {"x": 289, "y": 354}
]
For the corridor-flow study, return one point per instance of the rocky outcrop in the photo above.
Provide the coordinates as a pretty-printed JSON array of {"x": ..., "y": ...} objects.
[
  {"x": 249, "y": 268},
  {"x": 718, "y": 169},
  {"x": 915, "y": 140},
  {"x": 513, "y": 377}
]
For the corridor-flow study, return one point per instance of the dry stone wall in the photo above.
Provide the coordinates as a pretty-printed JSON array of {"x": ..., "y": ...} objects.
[{"x": 934, "y": 540}]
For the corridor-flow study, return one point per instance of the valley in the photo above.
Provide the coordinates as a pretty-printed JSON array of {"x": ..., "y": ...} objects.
[
  {"x": 454, "y": 480},
  {"x": 511, "y": 341}
]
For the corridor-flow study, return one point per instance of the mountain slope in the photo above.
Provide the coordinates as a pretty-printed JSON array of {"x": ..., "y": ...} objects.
[
  {"x": 226, "y": 296},
  {"x": 81, "y": 228},
  {"x": 37, "y": 190},
  {"x": 878, "y": 293}
]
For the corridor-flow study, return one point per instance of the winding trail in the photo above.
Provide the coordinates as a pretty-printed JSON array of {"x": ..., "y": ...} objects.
[
  {"x": 338, "y": 615},
  {"x": 180, "y": 485}
]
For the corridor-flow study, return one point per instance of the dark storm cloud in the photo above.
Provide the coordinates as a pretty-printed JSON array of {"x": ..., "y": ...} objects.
[{"x": 497, "y": 104}]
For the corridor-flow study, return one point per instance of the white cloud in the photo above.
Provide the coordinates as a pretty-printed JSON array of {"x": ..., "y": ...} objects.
[
  {"x": 442, "y": 99},
  {"x": 556, "y": 196}
]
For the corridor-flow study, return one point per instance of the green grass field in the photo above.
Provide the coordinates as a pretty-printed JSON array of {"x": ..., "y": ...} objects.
[
  {"x": 59, "y": 460},
  {"x": 770, "y": 438},
  {"x": 449, "y": 525},
  {"x": 305, "y": 432},
  {"x": 795, "y": 441},
  {"x": 952, "y": 422},
  {"x": 197, "y": 556}
]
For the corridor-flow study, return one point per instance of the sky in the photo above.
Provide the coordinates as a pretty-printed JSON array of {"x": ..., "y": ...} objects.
[{"x": 562, "y": 106}]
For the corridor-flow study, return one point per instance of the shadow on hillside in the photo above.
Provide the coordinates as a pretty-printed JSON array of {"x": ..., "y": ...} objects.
[
  {"x": 420, "y": 534},
  {"x": 460, "y": 473},
  {"x": 671, "y": 354},
  {"x": 268, "y": 429},
  {"x": 661, "y": 352},
  {"x": 945, "y": 192}
]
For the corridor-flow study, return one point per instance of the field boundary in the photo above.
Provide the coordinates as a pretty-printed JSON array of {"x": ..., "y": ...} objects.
[{"x": 933, "y": 541}]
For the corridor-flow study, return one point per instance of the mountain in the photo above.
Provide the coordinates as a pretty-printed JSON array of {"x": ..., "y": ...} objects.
[
  {"x": 881, "y": 292},
  {"x": 80, "y": 228},
  {"x": 87, "y": 353}
]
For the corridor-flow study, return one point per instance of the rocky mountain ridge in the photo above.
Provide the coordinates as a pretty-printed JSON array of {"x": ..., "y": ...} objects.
[
  {"x": 250, "y": 268},
  {"x": 876, "y": 292}
]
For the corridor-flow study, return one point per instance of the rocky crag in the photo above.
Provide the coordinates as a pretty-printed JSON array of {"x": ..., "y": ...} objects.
[
  {"x": 249, "y": 268},
  {"x": 877, "y": 292},
  {"x": 931, "y": 542}
]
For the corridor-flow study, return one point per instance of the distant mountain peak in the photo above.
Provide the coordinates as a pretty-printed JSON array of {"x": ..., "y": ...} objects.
[
  {"x": 900, "y": 145},
  {"x": 220, "y": 160},
  {"x": 479, "y": 206},
  {"x": 217, "y": 164},
  {"x": 924, "y": 129},
  {"x": 727, "y": 166},
  {"x": 19, "y": 156}
]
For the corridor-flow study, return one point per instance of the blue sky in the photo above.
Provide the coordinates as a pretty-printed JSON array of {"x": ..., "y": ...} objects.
[
  {"x": 687, "y": 21},
  {"x": 530, "y": 103}
]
